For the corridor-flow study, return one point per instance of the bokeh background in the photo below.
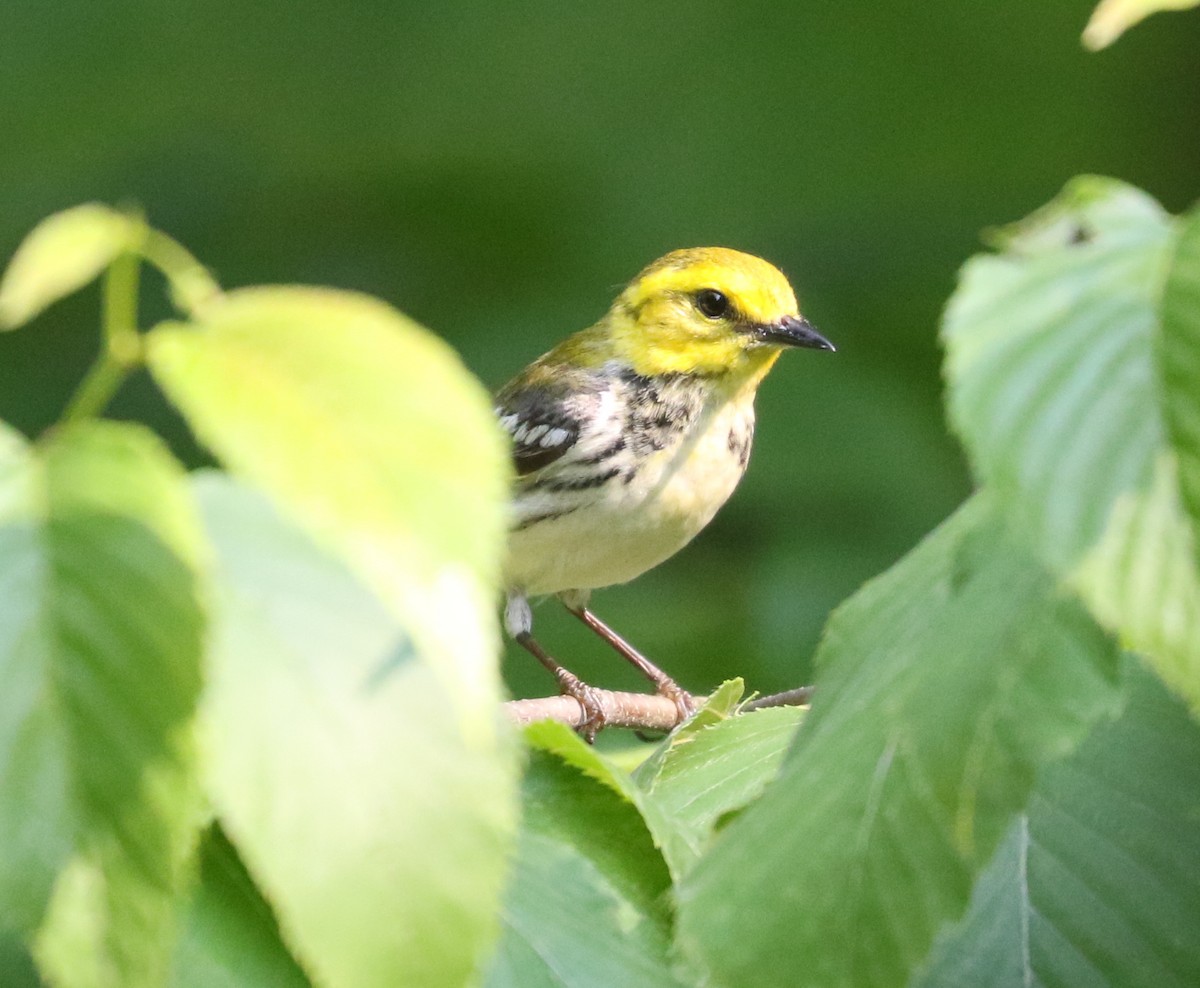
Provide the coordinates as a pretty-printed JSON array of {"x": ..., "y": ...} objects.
[{"x": 498, "y": 170}]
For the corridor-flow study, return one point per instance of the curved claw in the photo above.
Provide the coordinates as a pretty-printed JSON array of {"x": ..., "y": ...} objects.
[
  {"x": 588, "y": 698},
  {"x": 685, "y": 703}
]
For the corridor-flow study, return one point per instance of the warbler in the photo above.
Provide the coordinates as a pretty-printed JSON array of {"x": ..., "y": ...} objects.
[{"x": 628, "y": 436}]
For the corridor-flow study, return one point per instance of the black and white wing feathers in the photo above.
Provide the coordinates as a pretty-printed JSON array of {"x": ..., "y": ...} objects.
[
  {"x": 545, "y": 417},
  {"x": 541, "y": 430}
]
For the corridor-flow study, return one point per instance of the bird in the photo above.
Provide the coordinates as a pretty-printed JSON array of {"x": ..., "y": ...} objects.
[{"x": 628, "y": 436}]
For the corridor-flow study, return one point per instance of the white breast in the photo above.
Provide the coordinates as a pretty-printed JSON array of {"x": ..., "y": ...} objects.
[{"x": 631, "y": 525}]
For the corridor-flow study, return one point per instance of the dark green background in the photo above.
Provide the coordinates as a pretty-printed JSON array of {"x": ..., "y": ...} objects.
[{"x": 498, "y": 170}]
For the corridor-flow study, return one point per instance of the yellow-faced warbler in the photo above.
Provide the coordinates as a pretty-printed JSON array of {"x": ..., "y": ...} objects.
[{"x": 628, "y": 436}]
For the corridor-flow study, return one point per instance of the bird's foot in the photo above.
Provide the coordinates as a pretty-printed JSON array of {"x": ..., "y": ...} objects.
[
  {"x": 685, "y": 703},
  {"x": 589, "y": 700}
]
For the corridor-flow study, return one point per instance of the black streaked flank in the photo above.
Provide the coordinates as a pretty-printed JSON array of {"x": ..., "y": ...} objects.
[
  {"x": 609, "y": 451},
  {"x": 546, "y": 516},
  {"x": 579, "y": 483},
  {"x": 739, "y": 445}
]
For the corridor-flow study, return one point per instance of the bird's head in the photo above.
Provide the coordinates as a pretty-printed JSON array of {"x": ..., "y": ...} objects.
[{"x": 709, "y": 310}]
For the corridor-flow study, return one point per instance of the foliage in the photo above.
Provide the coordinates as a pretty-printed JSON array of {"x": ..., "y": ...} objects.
[
  {"x": 315, "y": 671},
  {"x": 250, "y": 730}
]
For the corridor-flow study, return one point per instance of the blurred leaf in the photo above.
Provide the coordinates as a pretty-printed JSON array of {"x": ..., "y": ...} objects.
[
  {"x": 1096, "y": 884},
  {"x": 585, "y": 906},
  {"x": 942, "y": 686},
  {"x": 230, "y": 937},
  {"x": 16, "y": 966},
  {"x": 61, "y": 255},
  {"x": 1179, "y": 358},
  {"x": 336, "y": 765},
  {"x": 99, "y": 654},
  {"x": 368, "y": 430},
  {"x": 1055, "y": 387},
  {"x": 1112, "y": 18}
]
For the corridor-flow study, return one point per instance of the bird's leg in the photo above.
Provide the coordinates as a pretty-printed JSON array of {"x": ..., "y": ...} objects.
[
  {"x": 664, "y": 685},
  {"x": 519, "y": 621}
]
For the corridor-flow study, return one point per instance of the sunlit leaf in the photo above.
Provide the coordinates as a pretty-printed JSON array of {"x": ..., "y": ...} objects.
[
  {"x": 100, "y": 632},
  {"x": 336, "y": 765},
  {"x": 1112, "y": 18},
  {"x": 1073, "y": 382},
  {"x": 62, "y": 254},
  {"x": 942, "y": 686},
  {"x": 368, "y": 430}
]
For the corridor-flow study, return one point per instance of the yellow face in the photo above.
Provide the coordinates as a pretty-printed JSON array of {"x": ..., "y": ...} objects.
[{"x": 708, "y": 310}]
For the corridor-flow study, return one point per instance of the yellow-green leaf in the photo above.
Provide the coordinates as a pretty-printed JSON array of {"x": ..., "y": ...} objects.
[
  {"x": 338, "y": 771},
  {"x": 1112, "y": 18},
  {"x": 100, "y": 636},
  {"x": 62, "y": 254},
  {"x": 367, "y": 429}
]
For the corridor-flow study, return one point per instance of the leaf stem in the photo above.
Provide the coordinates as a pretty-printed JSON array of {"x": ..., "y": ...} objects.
[
  {"x": 190, "y": 283},
  {"x": 122, "y": 348}
]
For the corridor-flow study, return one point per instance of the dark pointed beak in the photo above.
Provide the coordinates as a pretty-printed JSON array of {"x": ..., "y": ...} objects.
[{"x": 794, "y": 331}]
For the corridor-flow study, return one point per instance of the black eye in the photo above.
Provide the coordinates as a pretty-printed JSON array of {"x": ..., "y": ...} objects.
[{"x": 712, "y": 303}]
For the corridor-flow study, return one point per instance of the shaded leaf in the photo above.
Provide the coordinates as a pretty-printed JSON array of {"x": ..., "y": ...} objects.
[
  {"x": 16, "y": 965},
  {"x": 585, "y": 906},
  {"x": 941, "y": 688},
  {"x": 1096, "y": 884},
  {"x": 230, "y": 937}
]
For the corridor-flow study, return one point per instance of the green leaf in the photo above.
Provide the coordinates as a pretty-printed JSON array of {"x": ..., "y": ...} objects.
[
  {"x": 941, "y": 688},
  {"x": 368, "y": 430},
  {"x": 1112, "y": 18},
  {"x": 100, "y": 636},
  {"x": 1056, "y": 386},
  {"x": 16, "y": 966},
  {"x": 230, "y": 936},
  {"x": 585, "y": 906},
  {"x": 378, "y": 832},
  {"x": 1179, "y": 359},
  {"x": 711, "y": 767},
  {"x": 62, "y": 254},
  {"x": 698, "y": 779},
  {"x": 559, "y": 740},
  {"x": 1096, "y": 885}
]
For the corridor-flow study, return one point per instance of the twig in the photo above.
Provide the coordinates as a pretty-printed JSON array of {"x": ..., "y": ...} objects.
[
  {"x": 799, "y": 697},
  {"x": 645, "y": 711},
  {"x": 640, "y": 711}
]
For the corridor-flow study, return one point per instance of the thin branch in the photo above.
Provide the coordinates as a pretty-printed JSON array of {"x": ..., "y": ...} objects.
[
  {"x": 799, "y": 697},
  {"x": 643, "y": 711},
  {"x": 640, "y": 711}
]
